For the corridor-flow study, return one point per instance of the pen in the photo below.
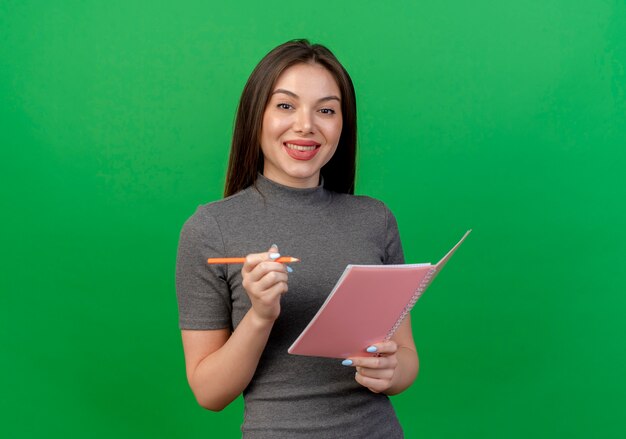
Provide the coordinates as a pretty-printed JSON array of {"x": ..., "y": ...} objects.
[{"x": 284, "y": 259}]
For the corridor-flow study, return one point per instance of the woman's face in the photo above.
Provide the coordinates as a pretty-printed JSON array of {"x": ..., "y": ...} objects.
[{"x": 301, "y": 125}]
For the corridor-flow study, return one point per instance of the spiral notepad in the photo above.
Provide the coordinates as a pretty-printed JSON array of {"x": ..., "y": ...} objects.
[{"x": 367, "y": 305}]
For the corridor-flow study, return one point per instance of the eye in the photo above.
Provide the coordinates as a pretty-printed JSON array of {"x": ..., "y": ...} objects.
[
  {"x": 284, "y": 106},
  {"x": 327, "y": 111}
]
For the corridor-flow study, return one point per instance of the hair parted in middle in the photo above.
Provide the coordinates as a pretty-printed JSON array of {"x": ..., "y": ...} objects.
[{"x": 246, "y": 156}]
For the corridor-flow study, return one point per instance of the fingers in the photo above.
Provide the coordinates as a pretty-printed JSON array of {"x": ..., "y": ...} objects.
[
  {"x": 259, "y": 264},
  {"x": 376, "y": 373},
  {"x": 379, "y": 377},
  {"x": 373, "y": 363},
  {"x": 379, "y": 374},
  {"x": 382, "y": 350},
  {"x": 265, "y": 281},
  {"x": 376, "y": 385},
  {"x": 254, "y": 259},
  {"x": 268, "y": 297},
  {"x": 271, "y": 278},
  {"x": 267, "y": 272},
  {"x": 385, "y": 347}
]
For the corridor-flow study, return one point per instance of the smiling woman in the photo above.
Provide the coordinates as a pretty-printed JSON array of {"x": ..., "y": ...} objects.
[
  {"x": 290, "y": 180},
  {"x": 246, "y": 157},
  {"x": 301, "y": 125}
]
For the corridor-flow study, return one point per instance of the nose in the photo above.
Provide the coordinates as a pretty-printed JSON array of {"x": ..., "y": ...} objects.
[{"x": 304, "y": 121}]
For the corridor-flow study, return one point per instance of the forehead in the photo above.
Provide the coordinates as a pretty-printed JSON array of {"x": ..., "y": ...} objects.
[{"x": 308, "y": 79}]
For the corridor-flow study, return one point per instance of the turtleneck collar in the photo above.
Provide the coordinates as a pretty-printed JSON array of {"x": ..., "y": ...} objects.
[{"x": 291, "y": 198}]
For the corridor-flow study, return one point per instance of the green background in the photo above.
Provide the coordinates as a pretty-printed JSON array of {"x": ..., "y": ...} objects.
[{"x": 506, "y": 117}]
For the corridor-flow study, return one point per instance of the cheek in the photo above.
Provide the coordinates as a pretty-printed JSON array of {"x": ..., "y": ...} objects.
[
  {"x": 270, "y": 133},
  {"x": 275, "y": 126},
  {"x": 333, "y": 131},
  {"x": 330, "y": 153}
]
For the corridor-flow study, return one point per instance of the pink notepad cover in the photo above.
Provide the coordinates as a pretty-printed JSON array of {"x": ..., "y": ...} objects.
[{"x": 367, "y": 302}]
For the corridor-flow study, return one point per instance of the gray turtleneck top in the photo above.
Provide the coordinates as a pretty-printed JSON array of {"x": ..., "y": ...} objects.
[{"x": 289, "y": 396}]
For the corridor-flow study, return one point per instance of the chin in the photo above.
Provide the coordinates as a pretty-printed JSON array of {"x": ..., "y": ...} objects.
[
  {"x": 302, "y": 176},
  {"x": 302, "y": 173}
]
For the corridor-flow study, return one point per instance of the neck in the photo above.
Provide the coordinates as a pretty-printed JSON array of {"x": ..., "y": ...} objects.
[
  {"x": 298, "y": 183},
  {"x": 289, "y": 197}
]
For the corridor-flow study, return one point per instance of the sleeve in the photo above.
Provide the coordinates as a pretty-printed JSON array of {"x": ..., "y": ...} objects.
[
  {"x": 202, "y": 291},
  {"x": 393, "y": 245}
]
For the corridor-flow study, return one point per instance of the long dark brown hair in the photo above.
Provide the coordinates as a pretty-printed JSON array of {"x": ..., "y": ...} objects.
[{"x": 246, "y": 157}]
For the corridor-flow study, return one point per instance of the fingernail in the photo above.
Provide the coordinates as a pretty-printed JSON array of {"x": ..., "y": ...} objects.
[
  {"x": 289, "y": 269},
  {"x": 347, "y": 362},
  {"x": 274, "y": 255},
  {"x": 372, "y": 349}
]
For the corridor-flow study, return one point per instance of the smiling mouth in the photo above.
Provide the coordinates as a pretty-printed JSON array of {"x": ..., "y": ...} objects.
[{"x": 301, "y": 147}]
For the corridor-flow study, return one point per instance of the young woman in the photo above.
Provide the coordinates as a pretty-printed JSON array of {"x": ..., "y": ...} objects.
[{"x": 290, "y": 181}]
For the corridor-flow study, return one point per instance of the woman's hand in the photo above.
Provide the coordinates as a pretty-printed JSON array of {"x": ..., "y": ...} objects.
[
  {"x": 221, "y": 364},
  {"x": 376, "y": 373},
  {"x": 265, "y": 281}
]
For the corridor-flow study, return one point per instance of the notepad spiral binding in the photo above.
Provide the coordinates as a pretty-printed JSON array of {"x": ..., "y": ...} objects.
[{"x": 407, "y": 309}]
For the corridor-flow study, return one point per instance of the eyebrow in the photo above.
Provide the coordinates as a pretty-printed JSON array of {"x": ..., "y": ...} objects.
[{"x": 293, "y": 95}]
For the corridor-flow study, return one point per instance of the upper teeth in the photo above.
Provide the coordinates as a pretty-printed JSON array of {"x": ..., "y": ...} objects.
[{"x": 300, "y": 147}]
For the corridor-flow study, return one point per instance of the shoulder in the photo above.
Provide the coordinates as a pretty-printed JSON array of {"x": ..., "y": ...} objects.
[
  {"x": 217, "y": 210},
  {"x": 365, "y": 211},
  {"x": 363, "y": 204},
  {"x": 208, "y": 219},
  {"x": 237, "y": 203},
  {"x": 206, "y": 231}
]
